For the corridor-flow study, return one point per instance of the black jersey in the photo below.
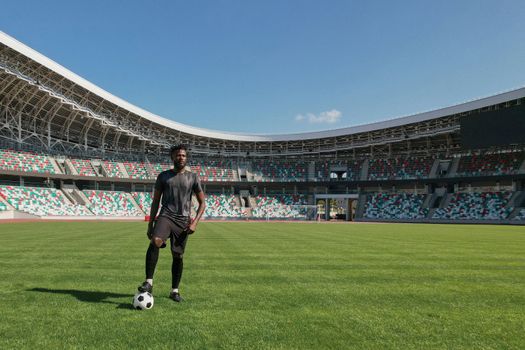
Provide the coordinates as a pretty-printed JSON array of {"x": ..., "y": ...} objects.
[{"x": 177, "y": 189}]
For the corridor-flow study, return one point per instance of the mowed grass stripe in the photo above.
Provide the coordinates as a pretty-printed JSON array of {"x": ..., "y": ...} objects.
[{"x": 266, "y": 285}]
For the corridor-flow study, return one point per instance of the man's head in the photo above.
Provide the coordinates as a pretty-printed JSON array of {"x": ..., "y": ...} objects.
[{"x": 179, "y": 156}]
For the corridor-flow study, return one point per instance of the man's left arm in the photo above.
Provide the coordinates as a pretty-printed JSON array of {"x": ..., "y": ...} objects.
[{"x": 200, "y": 211}]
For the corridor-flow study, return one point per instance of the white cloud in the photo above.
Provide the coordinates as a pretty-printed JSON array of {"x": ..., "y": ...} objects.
[{"x": 328, "y": 117}]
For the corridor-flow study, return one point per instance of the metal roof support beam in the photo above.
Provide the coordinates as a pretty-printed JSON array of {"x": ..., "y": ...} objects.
[{"x": 85, "y": 131}]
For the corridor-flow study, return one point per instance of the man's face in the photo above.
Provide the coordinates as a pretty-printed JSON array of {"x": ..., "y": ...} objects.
[{"x": 179, "y": 158}]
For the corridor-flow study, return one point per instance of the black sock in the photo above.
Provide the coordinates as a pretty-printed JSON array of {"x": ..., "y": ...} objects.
[
  {"x": 152, "y": 256},
  {"x": 176, "y": 272}
]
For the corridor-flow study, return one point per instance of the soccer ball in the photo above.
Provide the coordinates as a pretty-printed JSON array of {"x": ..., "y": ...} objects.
[{"x": 143, "y": 301}]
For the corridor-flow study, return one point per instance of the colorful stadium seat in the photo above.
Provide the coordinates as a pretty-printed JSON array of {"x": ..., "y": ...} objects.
[
  {"x": 279, "y": 207},
  {"x": 137, "y": 170},
  {"x": 490, "y": 164},
  {"x": 83, "y": 167},
  {"x": 111, "y": 203},
  {"x": 395, "y": 206},
  {"x": 41, "y": 201},
  {"x": 274, "y": 170},
  {"x": 27, "y": 162},
  {"x": 399, "y": 168},
  {"x": 476, "y": 206}
]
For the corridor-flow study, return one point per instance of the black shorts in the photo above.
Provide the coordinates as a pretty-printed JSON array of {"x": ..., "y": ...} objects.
[{"x": 166, "y": 228}]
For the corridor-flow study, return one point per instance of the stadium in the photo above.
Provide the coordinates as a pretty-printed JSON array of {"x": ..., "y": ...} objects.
[
  {"x": 98, "y": 156},
  {"x": 77, "y": 170}
]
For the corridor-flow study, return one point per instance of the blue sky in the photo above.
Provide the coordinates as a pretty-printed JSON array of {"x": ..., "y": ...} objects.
[{"x": 281, "y": 66}]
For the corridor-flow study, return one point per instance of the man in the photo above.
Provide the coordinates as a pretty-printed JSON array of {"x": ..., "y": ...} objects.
[{"x": 176, "y": 187}]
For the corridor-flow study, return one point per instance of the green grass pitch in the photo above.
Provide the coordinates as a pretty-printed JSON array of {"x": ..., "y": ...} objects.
[{"x": 266, "y": 286}]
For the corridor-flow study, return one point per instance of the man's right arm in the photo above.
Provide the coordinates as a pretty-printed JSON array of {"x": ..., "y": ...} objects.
[{"x": 153, "y": 211}]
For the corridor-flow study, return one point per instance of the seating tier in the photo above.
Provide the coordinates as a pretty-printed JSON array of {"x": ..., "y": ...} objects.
[
  {"x": 41, "y": 201},
  {"x": 395, "y": 206},
  {"x": 476, "y": 206},
  {"x": 111, "y": 203}
]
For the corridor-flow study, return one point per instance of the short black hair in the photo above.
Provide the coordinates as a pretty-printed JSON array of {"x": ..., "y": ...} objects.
[{"x": 177, "y": 148}]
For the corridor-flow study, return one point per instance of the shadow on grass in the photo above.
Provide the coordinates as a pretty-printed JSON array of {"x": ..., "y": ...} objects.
[{"x": 90, "y": 296}]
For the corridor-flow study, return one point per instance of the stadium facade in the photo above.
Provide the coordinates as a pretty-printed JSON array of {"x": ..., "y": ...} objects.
[{"x": 70, "y": 149}]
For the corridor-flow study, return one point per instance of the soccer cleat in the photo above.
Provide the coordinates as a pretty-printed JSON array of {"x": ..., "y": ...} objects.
[
  {"x": 145, "y": 287},
  {"x": 175, "y": 296}
]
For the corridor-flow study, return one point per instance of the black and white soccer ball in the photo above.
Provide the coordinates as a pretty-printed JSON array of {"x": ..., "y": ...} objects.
[{"x": 143, "y": 301}]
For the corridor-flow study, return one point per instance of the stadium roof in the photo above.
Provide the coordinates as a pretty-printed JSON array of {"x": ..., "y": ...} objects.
[{"x": 44, "y": 61}]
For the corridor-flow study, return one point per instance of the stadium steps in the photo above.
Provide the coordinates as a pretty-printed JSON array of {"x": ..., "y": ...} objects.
[
  {"x": 361, "y": 204},
  {"x": 253, "y": 204},
  {"x": 133, "y": 201},
  {"x": 60, "y": 160},
  {"x": 235, "y": 173},
  {"x": 513, "y": 200},
  {"x": 237, "y": 201},
  {"x": 434, "y": 169},
  {"x": 68, "y": 195},
  {"x": 104, "y": 171},
  {"x": 96, "y": 169},
  {"x": 517, "y": 199},
  {"x": 514, "y": 213},
  {"x": 447, "y": 197},
  {"x": 96, "y": 164},
  {"x": 75, "y": 196},
  {"x": 428, "y": 200},
  {"x": 522, "y": 167},
  {"x": 149, "y": 168},
  {"x": 311, "y": 172},
  {"x": 70, "y": 167},
  {"x": 453, "y": 167},
  {"x": 364, "y": 172},
  {"x": 431, "y": 212},
  {"x": 66, "y": 198},
  {"x": 124, "y": 172},
  {"x": 6, "y": 203},
  {"x": 80, "y": 196},
  {"x": 250, "y": 176},
  {"x": 53, "y": 162}
]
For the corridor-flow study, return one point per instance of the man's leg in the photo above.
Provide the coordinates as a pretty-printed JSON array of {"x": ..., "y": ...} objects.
[
  {"x": 178, "y": 244},
  {"x": 160, "y": 233},
  {"x": 152, "y": 256},
  {"x": 176, "y": 271}
]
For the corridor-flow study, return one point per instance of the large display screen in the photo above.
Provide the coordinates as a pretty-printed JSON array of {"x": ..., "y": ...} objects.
[{"x": 493, "y": 128}]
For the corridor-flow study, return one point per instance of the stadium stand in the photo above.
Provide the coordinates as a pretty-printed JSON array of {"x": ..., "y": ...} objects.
[
  {"x": 222, "y": 206},
  {"x": 476, "y": 206},
  {"x": 273, "y": 170},
  {"x": 400, "y": 168},
  {"x": 111, "y": 203},
  {"x": 25, "y": 162},
  {"x": 490, "y": 164},
  {"x": 137, "y": 170},
  {"x": 104, "y": 138},
  {"x": 144, "y": 200},
  {"x": 395, "y": 206},
  {"x": 213, "y": 170},
  {"x": 83, "y": 167},
  {"x": 279, "y": 206},
  {"x": 112, "y": 169},
  {"x": 351, "y": 167},
  {"x": 160, "y": 167},
  {"x": 41, "y": 201},
  {"x": 3, "y": 207}
]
